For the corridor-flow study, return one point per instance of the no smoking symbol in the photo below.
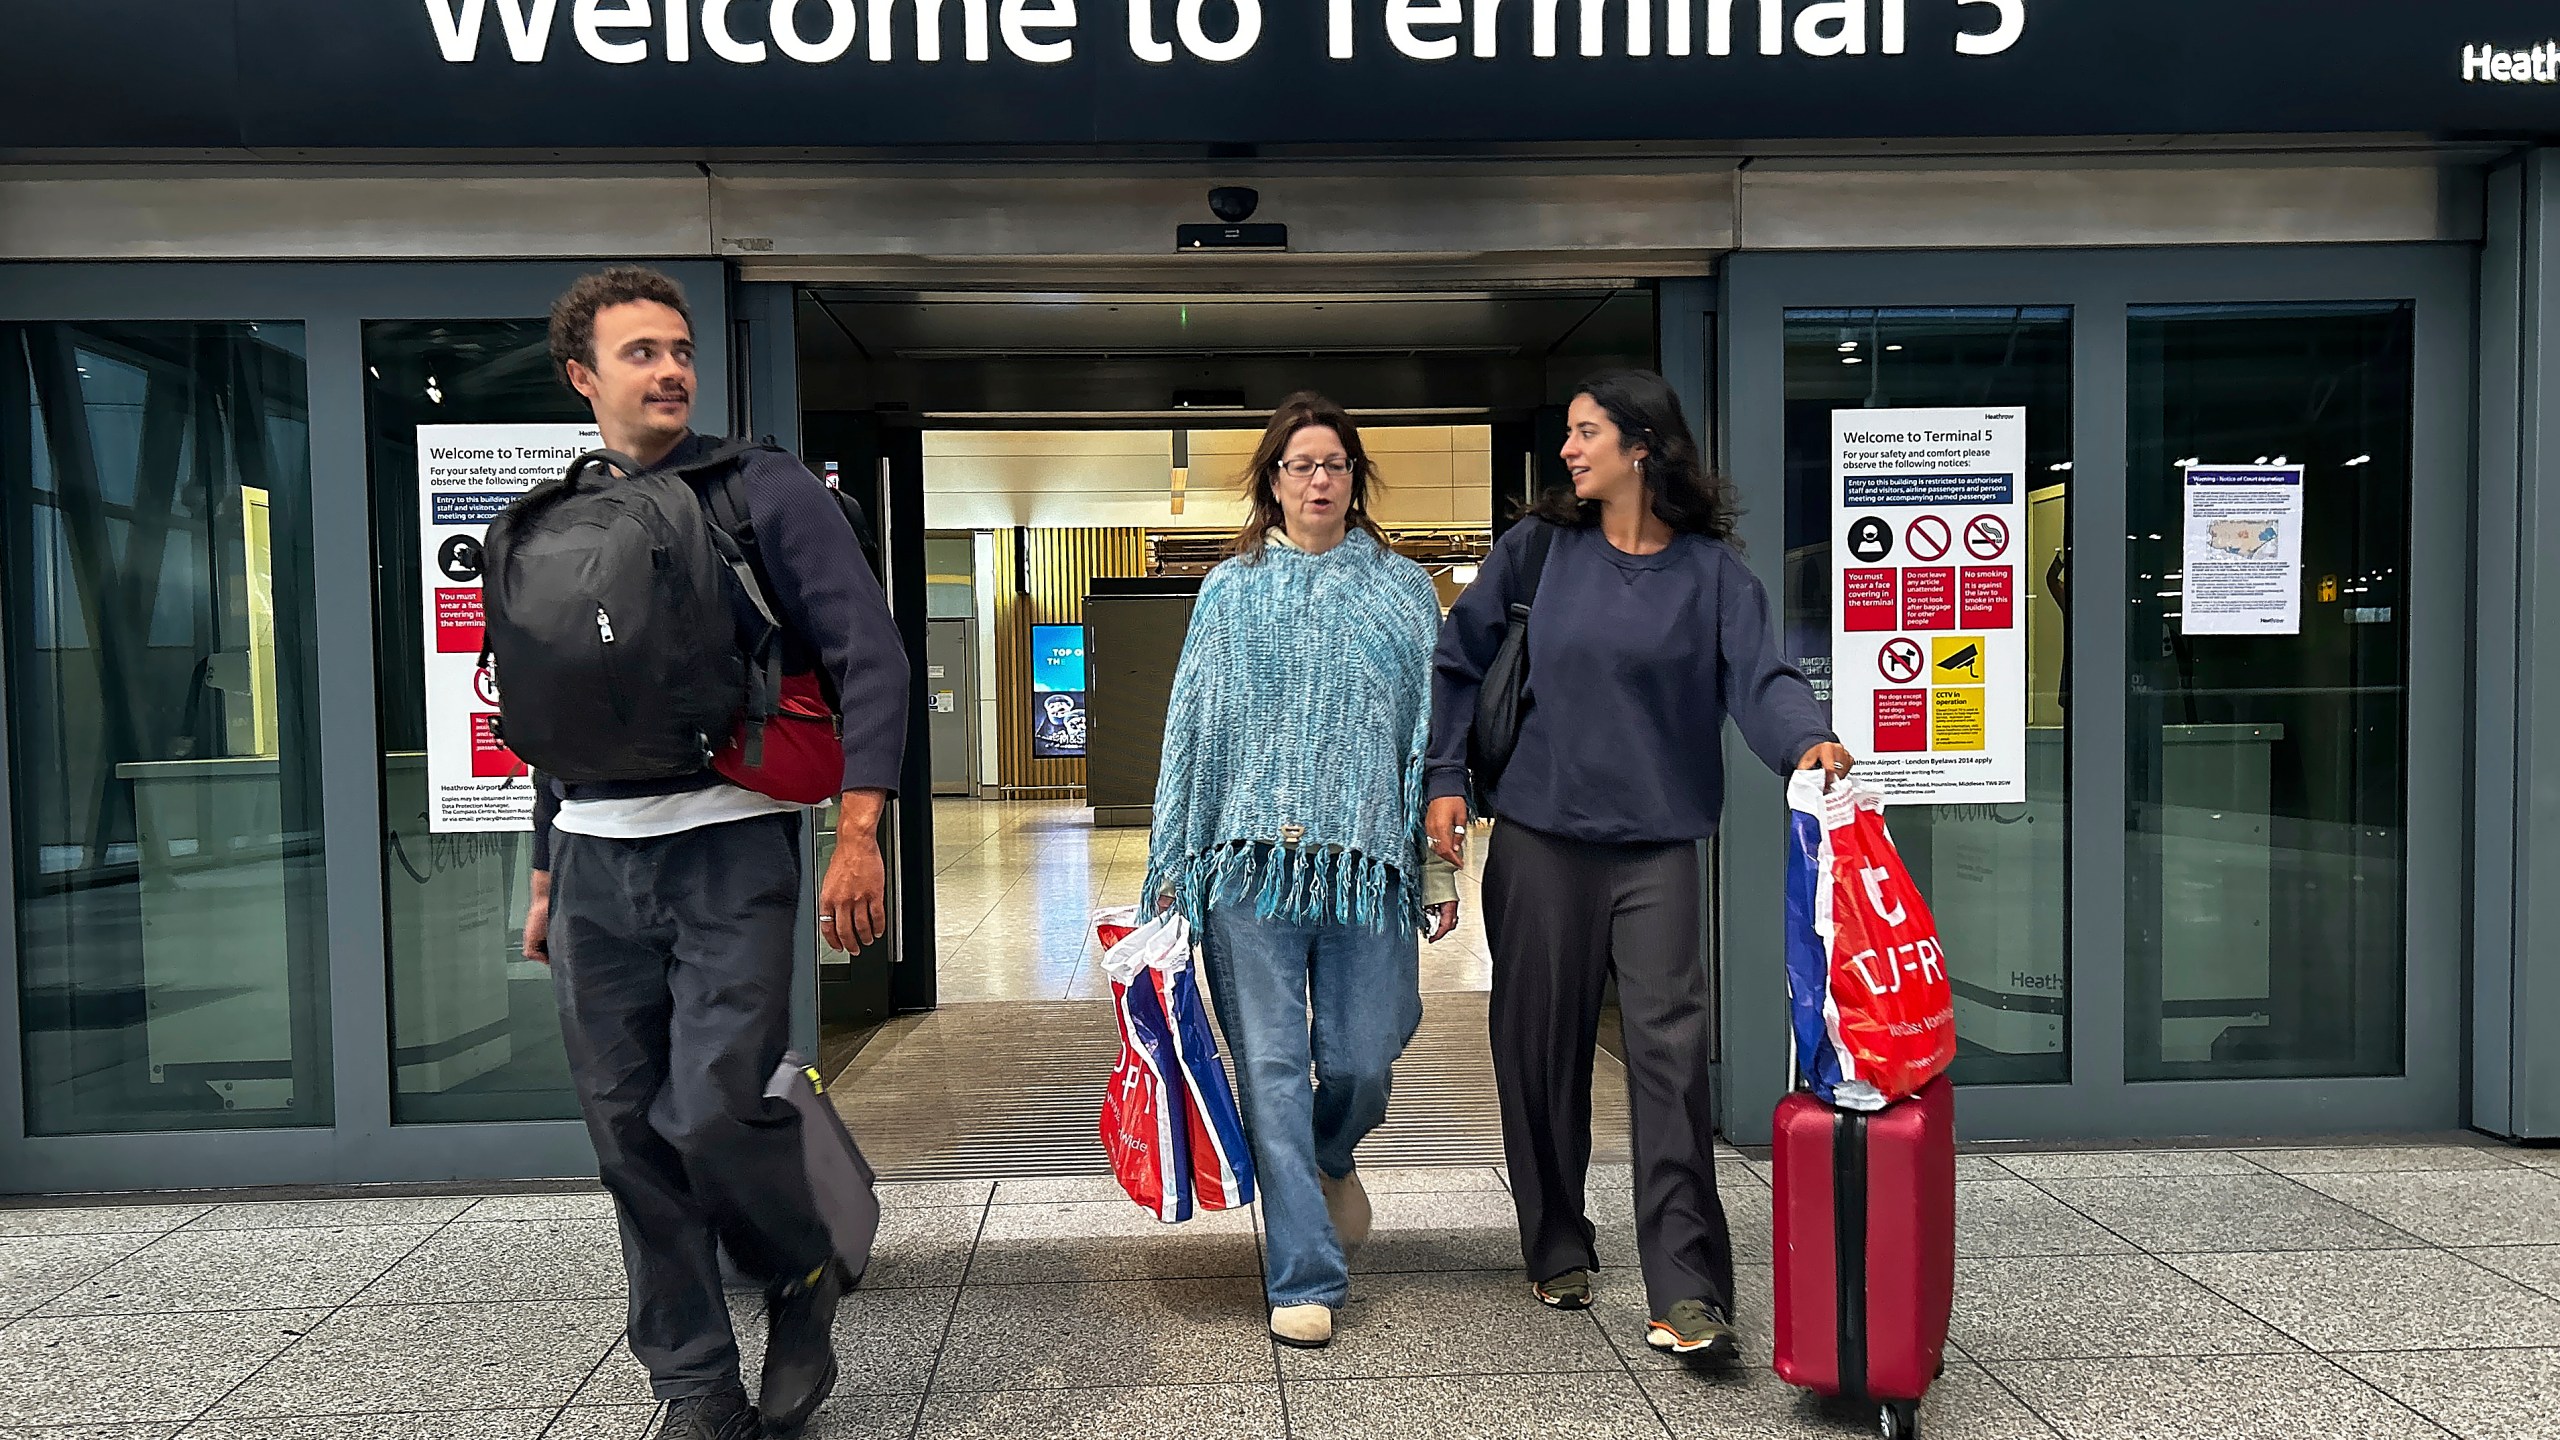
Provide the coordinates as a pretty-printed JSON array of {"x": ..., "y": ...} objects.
[
  {"x": 1986, "y": 537},
  {"x": 1901, "y": 660},
  {"x": 1929, "y": 538}
]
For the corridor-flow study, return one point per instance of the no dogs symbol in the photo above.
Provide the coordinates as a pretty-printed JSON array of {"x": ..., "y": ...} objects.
[{"x": 1901, "y": 660}]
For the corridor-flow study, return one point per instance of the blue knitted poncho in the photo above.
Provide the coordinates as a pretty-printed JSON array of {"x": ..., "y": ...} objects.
[{"x": 1293, "y": 747}]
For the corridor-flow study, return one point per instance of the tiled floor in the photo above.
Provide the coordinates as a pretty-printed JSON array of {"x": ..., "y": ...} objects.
[
  {"x": 1015, "y": 883},
  {"x": 2202, "y": 1295}
]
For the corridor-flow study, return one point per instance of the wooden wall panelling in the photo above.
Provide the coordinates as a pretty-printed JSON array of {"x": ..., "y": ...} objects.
[{"x": 1057, "y": 567}]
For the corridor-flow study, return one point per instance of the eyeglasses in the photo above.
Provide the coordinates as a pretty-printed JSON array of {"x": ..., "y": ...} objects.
[{"x": 1302, "y": 467}]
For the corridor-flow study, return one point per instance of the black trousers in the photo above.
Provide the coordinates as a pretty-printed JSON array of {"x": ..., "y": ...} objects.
[
  {"x": 1563, "y": 914},
  {"x": 671, "y": 957}
]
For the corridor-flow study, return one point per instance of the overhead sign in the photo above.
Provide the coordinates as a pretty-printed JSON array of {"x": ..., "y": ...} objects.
[
  {"x": 466, "y": 475},
  {"x": 2243, "y": 551},
  {"x": 1928, "y": 621},
  {"x": 446, "y": 75}
]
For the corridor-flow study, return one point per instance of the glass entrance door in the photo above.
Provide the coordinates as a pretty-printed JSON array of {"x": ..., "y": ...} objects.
[{"x": 2206, "y": 910}]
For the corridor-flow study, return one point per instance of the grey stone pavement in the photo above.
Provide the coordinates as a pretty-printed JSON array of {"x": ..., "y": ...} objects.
[{"x": 2382, "y": 1291}]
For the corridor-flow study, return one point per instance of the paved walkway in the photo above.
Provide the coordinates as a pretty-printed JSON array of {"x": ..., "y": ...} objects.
[{"x": 2200, "y": 1294}]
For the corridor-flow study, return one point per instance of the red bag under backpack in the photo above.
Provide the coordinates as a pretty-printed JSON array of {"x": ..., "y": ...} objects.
[{"x": 799, "y": 757}]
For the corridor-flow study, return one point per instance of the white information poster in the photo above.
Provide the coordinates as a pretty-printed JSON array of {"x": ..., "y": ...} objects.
[
  {"x": 2243, "y": 551},
  {"x": 466, "y": 475},
  {"x": 1928, "y": 601}
]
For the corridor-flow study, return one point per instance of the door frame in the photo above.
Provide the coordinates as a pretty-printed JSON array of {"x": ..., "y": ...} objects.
[{"x": 2099, "y": 286}]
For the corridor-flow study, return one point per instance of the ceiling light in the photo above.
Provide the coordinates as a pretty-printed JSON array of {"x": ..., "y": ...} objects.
[
  {"x": 1893, "y": 347},
  {"x": 1853, "y": 360}
]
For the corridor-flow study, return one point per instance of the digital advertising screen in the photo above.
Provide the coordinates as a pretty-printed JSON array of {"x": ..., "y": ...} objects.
[{"x": 1057, "y": 692}]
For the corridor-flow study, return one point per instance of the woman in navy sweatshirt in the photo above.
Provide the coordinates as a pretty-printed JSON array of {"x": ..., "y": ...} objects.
[{"x": 1646, "y": 631}]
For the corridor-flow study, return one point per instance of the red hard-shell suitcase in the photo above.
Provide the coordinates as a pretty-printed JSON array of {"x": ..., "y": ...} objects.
[{"x": 1866, "y": 1242}]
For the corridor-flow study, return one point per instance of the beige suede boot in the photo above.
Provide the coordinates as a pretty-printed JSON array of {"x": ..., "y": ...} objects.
[{"x": 1306, "y": 1327}]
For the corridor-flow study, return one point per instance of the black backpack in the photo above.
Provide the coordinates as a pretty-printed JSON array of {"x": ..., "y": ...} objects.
[{"x": 609, "y": 622}]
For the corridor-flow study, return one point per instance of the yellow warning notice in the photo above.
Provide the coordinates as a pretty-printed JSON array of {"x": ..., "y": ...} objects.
[
  {"x": 1956, "y": 719},
  {"x": 1957, "y": 660}
]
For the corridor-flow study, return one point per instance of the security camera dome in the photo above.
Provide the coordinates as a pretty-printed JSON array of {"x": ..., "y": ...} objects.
[{"x": 1234, "y": 204}]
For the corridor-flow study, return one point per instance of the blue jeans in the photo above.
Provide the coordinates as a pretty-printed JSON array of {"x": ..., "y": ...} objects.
[{"x": 1366, "y": 987}]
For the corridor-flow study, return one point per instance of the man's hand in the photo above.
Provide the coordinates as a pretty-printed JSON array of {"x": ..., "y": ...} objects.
[
  {"x": 1444, "y": 919},
  {"x": 1445, "y": 826},
  {"x": 852, "y": 899},
  {"x": 537, "y": 919}
]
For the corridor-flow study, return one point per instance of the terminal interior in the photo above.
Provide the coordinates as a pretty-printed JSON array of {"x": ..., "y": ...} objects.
[{"x": 1080, "y": 458}]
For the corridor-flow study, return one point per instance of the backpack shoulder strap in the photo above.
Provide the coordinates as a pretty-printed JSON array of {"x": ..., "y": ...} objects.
[
  {"x": 1534, "y": 567},
  {"x": 729, "y": 453},
  {"x": 595, "y": 459}
]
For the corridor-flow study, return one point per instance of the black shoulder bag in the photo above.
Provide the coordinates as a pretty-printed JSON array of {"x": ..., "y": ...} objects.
[{"x": 1502, "y": 701}]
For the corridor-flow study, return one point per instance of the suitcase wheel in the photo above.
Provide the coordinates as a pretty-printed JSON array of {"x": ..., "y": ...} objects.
[{"x": 1899, "y": 1420}]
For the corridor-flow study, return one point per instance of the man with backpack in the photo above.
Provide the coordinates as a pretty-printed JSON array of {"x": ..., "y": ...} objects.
[{"x": 666, "y": 639}]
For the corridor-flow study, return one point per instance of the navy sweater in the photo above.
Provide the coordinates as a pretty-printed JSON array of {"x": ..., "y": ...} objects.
[
  {"x": 833, "y": 615},
  {"x": 1634, "y": 661}
]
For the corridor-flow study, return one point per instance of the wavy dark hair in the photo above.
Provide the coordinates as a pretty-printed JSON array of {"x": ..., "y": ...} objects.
[
  {"x": 1684, "y": 493},
  {"x": 1305, "y": 410},
  {"x": 573, "y": 315}
]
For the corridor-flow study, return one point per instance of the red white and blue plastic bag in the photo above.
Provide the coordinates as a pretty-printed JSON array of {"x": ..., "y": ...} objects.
[
  {"x": 1867, "y": 983},
  {"x": 1153, "y": 986},
  {"x": 1146, "y": 1128}
]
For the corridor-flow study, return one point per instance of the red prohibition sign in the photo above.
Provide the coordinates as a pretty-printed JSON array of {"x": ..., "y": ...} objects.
[
  {"x": 1928, "y": 538},
  {"x": 1986, "y": 537},
  {"x": 1900, "y": 660}
]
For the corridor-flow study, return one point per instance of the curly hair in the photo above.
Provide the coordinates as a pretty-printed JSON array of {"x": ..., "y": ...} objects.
[
  {"x": 1684, "y": 493},
  {"x": 573, "y": 315},
  {"x": 1305, "y": 410}
]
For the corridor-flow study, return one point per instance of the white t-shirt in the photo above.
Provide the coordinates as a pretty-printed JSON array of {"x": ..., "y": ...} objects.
[{"x": 645, "y": 817}]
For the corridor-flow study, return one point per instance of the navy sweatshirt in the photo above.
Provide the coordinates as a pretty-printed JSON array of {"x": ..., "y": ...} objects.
[
  {"x": 832, "y": 612},
  {"x": 1634, "y": 661}
]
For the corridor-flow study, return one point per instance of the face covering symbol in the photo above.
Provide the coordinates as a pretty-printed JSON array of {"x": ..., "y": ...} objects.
[{"x": 1874, "y": 879}]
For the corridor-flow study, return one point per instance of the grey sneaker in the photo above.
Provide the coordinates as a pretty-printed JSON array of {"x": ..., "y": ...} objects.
[
  {"x": 1693, "y": 1326},
  {"x": 1568, "y": 1291}
]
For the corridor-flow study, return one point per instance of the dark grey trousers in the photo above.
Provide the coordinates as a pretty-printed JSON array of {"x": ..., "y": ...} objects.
[
  {"x": 672, "y": 960},
  {"x": 1562, "y": 914}
]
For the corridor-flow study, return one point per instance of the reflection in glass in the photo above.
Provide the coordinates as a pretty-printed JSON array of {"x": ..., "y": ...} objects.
[
  {"x": 475, "y": 1035},
  {"x": 1996, "y": 875},
  {"x": 155, "y": 508},
  {"x": 2267, "y": 773}
]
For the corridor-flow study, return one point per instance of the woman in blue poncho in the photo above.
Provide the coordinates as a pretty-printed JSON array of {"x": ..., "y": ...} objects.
[{"x": 1288, "y": 831}]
